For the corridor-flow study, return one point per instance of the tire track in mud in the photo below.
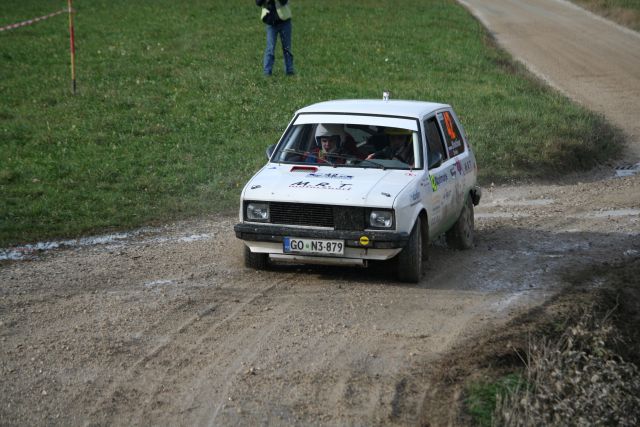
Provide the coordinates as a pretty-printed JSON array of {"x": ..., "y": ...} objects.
[
  {"x": 348, "y": 368},
  {"x": 164, "y": 354}
]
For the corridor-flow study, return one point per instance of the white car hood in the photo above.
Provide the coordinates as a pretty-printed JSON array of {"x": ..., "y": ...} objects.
[{"x": 328, "y": 185}]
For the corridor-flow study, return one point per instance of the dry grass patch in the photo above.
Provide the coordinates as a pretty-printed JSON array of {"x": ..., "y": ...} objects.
[
  {"x": 575, "y": 380},
  {"x": 624, "y": 12}
]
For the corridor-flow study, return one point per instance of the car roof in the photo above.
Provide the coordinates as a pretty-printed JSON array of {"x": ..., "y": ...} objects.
[{"x": 403, "y": 108}]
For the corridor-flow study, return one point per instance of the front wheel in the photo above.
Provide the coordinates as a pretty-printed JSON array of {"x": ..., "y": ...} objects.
[
  {"x": 409, "y": 266},
  {"x": 460, "y": 236},
  {"x": 255, "y": 260}
]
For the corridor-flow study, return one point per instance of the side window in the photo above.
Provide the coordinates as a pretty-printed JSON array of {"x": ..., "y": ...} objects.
[
  {"x": 452, "y": 135},
  {"x": 434, "y": 138}
]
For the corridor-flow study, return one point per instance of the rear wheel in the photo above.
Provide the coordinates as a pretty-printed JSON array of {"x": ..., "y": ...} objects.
[
  {"x": 409, "y": 265},
  {"x": 460, "y": 236},
  {"x": 255, "y": 260}
]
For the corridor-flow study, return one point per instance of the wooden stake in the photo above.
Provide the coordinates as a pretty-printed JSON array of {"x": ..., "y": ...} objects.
[{"x": 73, "y": 48}]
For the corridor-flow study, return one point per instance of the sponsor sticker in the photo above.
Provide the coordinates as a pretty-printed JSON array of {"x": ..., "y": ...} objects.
[
  {"x": 321, "y": 185},
  {"x": 449, "y": 126},
  {"x": 468, "y": 166},
  {"x": 434, "y": 185},
  {"x": 329, "y": 176},
  {"x": 415, "y": 197},
  {"x": 441, "y": 179},
  {"x": 437, "y": 180}
]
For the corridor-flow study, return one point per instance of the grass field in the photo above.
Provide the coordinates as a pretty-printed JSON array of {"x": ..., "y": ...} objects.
[{"x": 172, "y": 114}]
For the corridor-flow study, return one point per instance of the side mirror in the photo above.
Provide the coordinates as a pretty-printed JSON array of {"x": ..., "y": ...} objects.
[
  {"x": 435, "y": 160},
  {"x": 270, "y": 150}
]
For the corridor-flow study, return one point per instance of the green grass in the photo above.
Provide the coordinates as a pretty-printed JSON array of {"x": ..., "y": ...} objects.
[
  {"x": 482, "y": 397},
  {"x": 173, "y": 115}
]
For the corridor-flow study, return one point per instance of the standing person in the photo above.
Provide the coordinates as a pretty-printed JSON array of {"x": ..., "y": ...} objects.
[{"x": 276, "y": 14}]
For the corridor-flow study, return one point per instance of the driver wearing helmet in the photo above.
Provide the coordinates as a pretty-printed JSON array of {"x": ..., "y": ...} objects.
[
  {"x": 400, "y": 146},
  {"x": 329, "y": 139}
]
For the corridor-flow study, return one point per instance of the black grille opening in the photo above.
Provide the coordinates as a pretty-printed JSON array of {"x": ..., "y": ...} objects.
[
  {"x": 336, "y": 217},
  {"x": 301, "y": 214},
  {"x": 348, "y": 218}
]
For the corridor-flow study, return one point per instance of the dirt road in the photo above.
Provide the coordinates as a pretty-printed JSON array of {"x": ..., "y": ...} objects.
[{"x": 167, "y": 327}]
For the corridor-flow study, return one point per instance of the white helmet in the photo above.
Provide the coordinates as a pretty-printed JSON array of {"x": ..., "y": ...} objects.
[{"x": 330, "y": 130}]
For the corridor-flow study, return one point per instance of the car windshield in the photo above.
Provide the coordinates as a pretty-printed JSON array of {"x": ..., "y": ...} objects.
[{"x": 364, "y": 144}]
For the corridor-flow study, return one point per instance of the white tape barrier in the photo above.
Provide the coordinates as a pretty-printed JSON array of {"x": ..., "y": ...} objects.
[{"x": 33, "y": 21}]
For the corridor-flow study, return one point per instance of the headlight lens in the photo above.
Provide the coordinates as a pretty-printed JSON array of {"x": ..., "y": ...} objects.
[
  {"x": 257, "y": 211},
  {"x": 381, "y": 219}
]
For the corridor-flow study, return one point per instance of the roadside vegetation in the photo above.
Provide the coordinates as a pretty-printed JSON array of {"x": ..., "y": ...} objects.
[
  {"x": 172, "y": 114},
  {"x": 624, "y": 12},
  {"x": 580, "y": 366},
  {"x": 574, "y": 379},
  {"x": 574, "y": 362}
]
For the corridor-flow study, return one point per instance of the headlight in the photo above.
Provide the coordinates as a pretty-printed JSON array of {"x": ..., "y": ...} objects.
[
  {"x": 381, "y": 219},
  {"x": 257, "y": 211}
]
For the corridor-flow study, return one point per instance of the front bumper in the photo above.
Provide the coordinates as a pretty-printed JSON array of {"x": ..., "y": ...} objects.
[{"x": 368, "y": 239}]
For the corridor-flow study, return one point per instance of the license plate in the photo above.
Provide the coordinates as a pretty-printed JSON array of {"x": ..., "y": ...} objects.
[{"x": 313, "y": 246}]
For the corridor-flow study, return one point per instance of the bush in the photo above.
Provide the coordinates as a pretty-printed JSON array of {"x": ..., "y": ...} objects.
[{"x": 577, "y": 380}]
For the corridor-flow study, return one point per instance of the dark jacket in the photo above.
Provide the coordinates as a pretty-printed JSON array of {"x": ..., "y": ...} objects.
[
  {"x": 272, "y": 17},
  {"x": 404, "y": 153}
]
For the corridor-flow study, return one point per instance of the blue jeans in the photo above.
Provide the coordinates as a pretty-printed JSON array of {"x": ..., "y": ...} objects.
[{"x": 284, "y": 29}]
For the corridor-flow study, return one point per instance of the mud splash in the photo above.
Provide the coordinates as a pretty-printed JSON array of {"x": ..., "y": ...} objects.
[{"x": 32, "y": 251}]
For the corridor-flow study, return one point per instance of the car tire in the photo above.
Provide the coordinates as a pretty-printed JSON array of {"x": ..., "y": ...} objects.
[
  {"x": 460, "y": 236},
  {"x": 409, "y": 265},
  {"x": 255, "y": 260}
]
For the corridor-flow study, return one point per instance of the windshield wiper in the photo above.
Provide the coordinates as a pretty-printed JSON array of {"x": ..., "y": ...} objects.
[
  {"x": 371, "y": 162},
  {"x": 291, "y": 150}
]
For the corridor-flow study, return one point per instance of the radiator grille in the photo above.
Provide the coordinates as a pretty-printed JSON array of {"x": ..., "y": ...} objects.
[
  {"x": 337, "y": 217},
  {"x": 301, "y": 214},
  {"x": 348, "y": 218}
]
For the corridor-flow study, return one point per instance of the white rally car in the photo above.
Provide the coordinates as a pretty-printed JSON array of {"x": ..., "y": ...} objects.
[{"x": 358, "y": 180}]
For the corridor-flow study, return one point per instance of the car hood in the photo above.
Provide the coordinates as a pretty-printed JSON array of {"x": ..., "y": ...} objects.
[{"x": 328, "y": 185}]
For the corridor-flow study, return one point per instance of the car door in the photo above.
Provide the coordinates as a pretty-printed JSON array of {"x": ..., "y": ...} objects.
[{"x": 442, "y": 182}]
